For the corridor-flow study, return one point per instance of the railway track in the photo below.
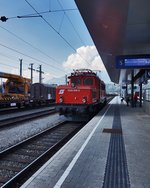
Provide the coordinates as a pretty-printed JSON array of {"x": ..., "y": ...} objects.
[
  {"x": 12, "y": 110},
  {"x": 25, "y": 117},
  {"x": 19, "y": 162}
]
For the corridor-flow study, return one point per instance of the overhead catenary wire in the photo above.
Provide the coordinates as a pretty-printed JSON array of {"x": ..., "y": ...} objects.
[
  {"x": 71, "y": 22},
  {"x": 61, "y": 22},
  {"x": 30, "y": 15},
  {"x": 4, "y": 18},
  {"x": 9, "y": 56},
  {"x": 56, "y": 31},
  {"x": 4, "y": 55},
  {"x": 9, "y": 66},
  {"x": 30, "y": 45},
  {"x": 33, "y": 58},
  {"x": 35, "y": 15},
  {"x": 6, "y": 65}
]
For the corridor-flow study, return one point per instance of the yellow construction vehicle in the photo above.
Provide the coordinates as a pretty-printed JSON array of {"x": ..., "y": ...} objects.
[{"x": 15, "y": 90}]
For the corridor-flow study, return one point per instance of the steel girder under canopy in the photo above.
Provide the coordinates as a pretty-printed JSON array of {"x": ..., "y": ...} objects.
[{"x": 117, "y": 28}]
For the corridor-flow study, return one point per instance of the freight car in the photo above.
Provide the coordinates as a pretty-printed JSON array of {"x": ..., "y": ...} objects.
[
  {"x": 42, "y": 94},
  {"x": 82, "y": 97},
  {"x": 17, "y": 91}
]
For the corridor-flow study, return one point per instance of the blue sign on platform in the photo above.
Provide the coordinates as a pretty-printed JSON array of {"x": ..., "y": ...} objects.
[{"x": 133, "y": 61}]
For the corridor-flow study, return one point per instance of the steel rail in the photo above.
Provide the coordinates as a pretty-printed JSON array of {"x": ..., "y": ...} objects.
[
  {"x": 17, "y": 162},
  {"x": 25, "y": 117}
]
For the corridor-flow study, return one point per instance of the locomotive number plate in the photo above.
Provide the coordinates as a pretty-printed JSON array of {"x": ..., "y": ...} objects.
[{"x": 73, "y": 90}]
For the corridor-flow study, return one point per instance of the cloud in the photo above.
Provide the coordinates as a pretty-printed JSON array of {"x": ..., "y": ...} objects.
[{"x": 86, "y": 57}]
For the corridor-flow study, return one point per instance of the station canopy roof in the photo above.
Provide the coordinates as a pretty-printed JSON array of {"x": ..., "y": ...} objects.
[{"x": 117, "y": 28}]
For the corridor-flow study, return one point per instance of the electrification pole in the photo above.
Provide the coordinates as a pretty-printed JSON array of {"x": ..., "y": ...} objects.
[
  {"x": 20, "y": 67},
  {"x": 31, "y": 68},
  {"x": 40, "y": 73}
]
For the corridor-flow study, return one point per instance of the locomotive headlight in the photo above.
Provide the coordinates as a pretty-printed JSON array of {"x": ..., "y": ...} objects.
[
  {"x": 84, "y": 100},
  {"x": 61, "y": 100}
]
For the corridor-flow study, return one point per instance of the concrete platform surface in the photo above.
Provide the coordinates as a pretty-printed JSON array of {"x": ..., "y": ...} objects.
[{"x": 112, "y": 150}]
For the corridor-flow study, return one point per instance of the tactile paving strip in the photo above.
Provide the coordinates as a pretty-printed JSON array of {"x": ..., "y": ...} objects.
[{"x": 116, "y": 172}]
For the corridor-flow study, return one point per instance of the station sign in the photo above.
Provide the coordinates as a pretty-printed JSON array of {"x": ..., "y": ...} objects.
[{"x": 133, "y": 61}]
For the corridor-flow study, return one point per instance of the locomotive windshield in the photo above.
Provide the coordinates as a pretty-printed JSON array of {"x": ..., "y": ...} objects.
[
  {"x": 88, "y": 82},
  {"x": 16, "y": 87},
  {"x": 75, "y": 81}
]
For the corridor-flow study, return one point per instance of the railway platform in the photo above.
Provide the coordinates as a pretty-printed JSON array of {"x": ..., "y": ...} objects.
[{"x": 111, "y": 151}]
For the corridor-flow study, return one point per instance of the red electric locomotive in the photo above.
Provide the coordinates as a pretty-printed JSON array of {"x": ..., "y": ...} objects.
[{"x": 82, "y": 96}]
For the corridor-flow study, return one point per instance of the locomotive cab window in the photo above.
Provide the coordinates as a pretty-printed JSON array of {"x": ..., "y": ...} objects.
[
  {"x": 76, "y": 81},
  {"x": 16, "y": 87},
  {"x": 88, "y": 81}
]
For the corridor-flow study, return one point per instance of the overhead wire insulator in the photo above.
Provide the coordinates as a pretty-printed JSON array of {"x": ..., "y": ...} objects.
[{"x": 3, "y": 18}]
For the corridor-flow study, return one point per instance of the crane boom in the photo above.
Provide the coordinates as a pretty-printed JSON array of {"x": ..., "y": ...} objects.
[{"x": 13, "y": 77}]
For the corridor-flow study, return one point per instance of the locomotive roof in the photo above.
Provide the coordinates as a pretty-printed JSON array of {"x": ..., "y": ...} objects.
[{"x": 83, "y": 72}]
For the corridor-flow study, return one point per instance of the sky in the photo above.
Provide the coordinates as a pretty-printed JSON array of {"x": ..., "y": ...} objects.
[{"x": 50, "y": 33}]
